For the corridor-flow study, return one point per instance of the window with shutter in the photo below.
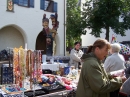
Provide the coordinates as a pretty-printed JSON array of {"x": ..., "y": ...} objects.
[
  {"x": 15, "y": 1},
  {"x": 31, "y": 3},
  {"x": 48, "y": 5},
  {"x": 42, "y": 4},
  {"x": 55, "y": 7}
]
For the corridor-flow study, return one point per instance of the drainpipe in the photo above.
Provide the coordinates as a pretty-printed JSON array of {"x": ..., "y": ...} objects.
[{"x": 64, "y": 30}]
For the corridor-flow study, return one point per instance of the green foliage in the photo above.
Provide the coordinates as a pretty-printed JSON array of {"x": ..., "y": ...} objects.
[
  {"x": 74, "y": 23},
  {"x": 105, "y": 14}
]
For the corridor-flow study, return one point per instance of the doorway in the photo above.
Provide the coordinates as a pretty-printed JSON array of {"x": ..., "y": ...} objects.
[
  {"x": 11, "y": 37},
  {"x": 41, "y": 43}
]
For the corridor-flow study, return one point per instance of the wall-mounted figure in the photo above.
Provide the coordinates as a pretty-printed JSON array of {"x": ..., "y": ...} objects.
[
  {"x": 46, "y": 39},
  {"x": 10, "y": 5},
  {"x": 55, "y": 25},
  {"x": 47, "y": 33},
  {"x": 55, "y": 22}
]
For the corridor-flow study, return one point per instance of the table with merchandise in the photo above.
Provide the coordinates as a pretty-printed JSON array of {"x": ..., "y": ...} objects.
[{"x": 25, "y": 77}]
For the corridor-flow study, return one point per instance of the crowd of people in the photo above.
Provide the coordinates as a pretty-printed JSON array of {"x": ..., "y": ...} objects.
[{"x": 96, "y": 79}]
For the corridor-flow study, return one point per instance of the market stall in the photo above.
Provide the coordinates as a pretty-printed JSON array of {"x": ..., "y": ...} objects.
[{"x": 28, "y": 79}]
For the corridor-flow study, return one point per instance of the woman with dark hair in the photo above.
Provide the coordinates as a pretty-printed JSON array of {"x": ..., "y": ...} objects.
[
  {"x": 75, "y": 55},
  {"x": 94, "y": 81}
]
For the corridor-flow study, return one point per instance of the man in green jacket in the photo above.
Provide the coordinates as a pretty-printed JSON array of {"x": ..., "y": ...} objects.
[{"x": 93, "y": 81}]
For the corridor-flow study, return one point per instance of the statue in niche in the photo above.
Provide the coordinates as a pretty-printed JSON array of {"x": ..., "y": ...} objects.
[{"x": 49, "y": 35}]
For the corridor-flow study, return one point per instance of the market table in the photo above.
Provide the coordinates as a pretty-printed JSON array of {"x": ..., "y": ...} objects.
[
  {"x": 63, "y": 93},
  {"x": 3, "y": 94},
  {"x": 54, "y": 66}
]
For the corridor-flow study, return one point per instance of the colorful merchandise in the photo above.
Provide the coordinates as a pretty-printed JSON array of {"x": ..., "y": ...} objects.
[
  {"x": 124, "y": 50},
  {"x": 15, "y": 65}
]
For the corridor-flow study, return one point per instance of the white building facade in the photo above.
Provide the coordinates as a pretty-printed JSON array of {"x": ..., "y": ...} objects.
[{"x": 24, "y": 23}]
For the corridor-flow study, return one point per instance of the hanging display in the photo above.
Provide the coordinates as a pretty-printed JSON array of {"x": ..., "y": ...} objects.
[{"x": 27, "y": 63}]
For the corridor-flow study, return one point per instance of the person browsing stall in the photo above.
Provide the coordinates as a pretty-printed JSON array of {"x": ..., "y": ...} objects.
[
  {"x": 75, "y": 55},
  {"x": 126, "y": 87},
  {"x": 94, "y": 81},
  {"x": 116, "y": 61}
]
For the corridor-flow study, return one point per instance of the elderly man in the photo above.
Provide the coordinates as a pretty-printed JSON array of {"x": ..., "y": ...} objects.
[{"x": 116, "y": 61}]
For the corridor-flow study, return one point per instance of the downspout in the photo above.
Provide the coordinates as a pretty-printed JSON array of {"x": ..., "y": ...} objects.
[{"x": 64, "y": 30}]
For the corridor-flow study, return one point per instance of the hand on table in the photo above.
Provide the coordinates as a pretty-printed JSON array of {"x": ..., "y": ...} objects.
[{"x": 123, "y": 79}]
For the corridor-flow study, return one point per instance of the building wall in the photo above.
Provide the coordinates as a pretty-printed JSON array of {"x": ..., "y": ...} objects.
[{"x": 29, "y": 22}]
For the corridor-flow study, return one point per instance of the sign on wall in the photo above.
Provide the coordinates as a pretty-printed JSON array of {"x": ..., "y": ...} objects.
[{"x": 10, "y": 5}]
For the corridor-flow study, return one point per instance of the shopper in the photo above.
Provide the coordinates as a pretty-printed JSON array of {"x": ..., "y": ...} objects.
[
  {"x": 116, "y": 61},
  {"x": 94, "y": 81},
  {"x": 75, "y": 55},
  {"x": 126, "y": 87}
]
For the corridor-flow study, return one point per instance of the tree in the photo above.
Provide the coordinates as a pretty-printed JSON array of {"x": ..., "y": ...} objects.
[
  {"x": 105, "y": 14},
  {"x": 74, "y": 23}
]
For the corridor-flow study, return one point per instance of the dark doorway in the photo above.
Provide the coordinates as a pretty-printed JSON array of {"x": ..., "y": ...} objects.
[{"x": 41, "y": 42}]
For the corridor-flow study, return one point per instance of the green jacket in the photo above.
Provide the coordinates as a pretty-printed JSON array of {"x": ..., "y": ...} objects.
[{"x": 93, "y": 81}]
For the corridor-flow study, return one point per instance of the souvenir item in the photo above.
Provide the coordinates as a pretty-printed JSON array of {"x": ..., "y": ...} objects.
[
  {"x": 6, "y": 74},
  {"x": 21, "y": 66},
  {"x": 37, "y": 71},
  {"x": 29, "y": 67},
  {"x": 15, "y": 64},
  {"x": 19, "y": 59}
]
